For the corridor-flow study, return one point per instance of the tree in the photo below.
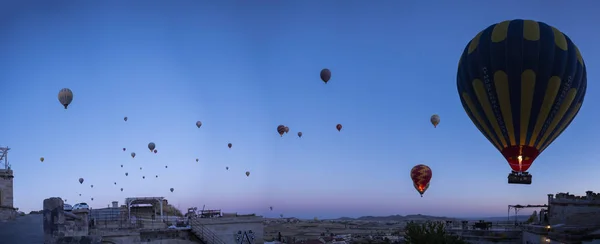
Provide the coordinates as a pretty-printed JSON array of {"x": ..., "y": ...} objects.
[
  {"x": 532, "y": 217},
  {"x": 429, "y": 233}
]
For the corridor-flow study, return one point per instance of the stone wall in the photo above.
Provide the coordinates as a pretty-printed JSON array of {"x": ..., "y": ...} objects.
[
  {"x": 61, "y": 227},
  {"x": 226, "y": 228},
  {"x": 561, "y": 214},
  {"x": 7, "y": 210}
]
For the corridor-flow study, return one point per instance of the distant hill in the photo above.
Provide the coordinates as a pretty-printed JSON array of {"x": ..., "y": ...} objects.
[
  {"x": 428, "y": 217},
  {"x": 397, "y": 218}
]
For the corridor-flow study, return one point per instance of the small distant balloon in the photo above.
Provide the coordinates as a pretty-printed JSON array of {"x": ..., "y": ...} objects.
[
  {"x": 271, "y": 208},
  {"x": 155, "y": 151},
  {"x": 121, "y": 166},
  {"x": 325, "y": 75},
  {"x": 435, "y": 120},
  {"x": 92, "y": 199},
  {"x": 115, "y": 183},
  {"x": 125, "y": 118},
  {"x": 229, "y": 145},
  {"x": 140, "y": 168},
  {"x": 151, "y": 146},
  {"x": 143, "y": 177},
  {"x": 156, "y": 176},
  {"x": 172, "y": 189},
  {"x": 248, "y": 173},
  {"x": 281, "y": 129},
  {"x": 132, "y": 155},
  {"x": 196, "y": 160},
  {"x": 121, "y": 189},
  {"x": 65, "y": 97},
  {"x": 338, "y": 127},
  {"x": 79, "y": 194},
  {"x": 42, "y": 159},
  {"x": 126, "y": 174},
  {"x": 92, "y": 186},
  {"x": 299, "y": 134},
  {"x": 226, "y": 168},
  {"x": 166, "y": 166},
  {"x": 287, "y": 129},
  {"x": 80, "y": 180},
  {"x": 198, "y": 124}
]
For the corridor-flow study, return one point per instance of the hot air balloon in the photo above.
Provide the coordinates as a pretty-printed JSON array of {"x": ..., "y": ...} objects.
[
  {"x": 132, "y": 155},
  {"x": 155, "y": 151},
  {"x": 521, "y": 83},
  {"x": 79, "y": 194},
  {"x": 156, "y": 176},
  {"x": 121, "y": 166},
  {"x": 140, "y": 168},
  {"x": 281, "y": 215},
  {"x": 143, "y": 177},
  {"x": 166, "y": 166},
  {"x": 124, "y": 149},
  {"x": 226, "y": 168},
  {"x": 435, "y": 120},
  {"x": 196, "y": 160},
  {"x": 300, "y": 134},
  {"x": 229, "y": 145},
  {"x": 172, "y": 189},
  {"x": 125, "y": 118},
  {"x": 325, "y": 75},
  {"x": 198, "y": 123},
  {"x": 115, "y": 183},
  {"x": 80, "y": 180},
  {"x": 126, "y": 174},
  {"x": 421, "y": 175},
  {"x": 92, "y": 199},
  {"x": 151, "y": 146},
  {"x": 248, "y": 173},
  {"x": 281, "y": 129},
  {"x": 42, "y": 159},
  {"x": 338, "y": 127},
  {"x": 92, "y": 186},
  {"x": 65, "y": 97},
  {"x": 121, "y": 189},
  {"x": 271, "y": 207},
  {"x": 287, "y": 129}
]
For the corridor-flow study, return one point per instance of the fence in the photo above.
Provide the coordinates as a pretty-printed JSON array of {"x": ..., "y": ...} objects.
[{"x": 113, "y": 218}]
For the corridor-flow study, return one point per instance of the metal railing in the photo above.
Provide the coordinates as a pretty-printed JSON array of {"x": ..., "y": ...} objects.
[{"x": 206, "y": 235}]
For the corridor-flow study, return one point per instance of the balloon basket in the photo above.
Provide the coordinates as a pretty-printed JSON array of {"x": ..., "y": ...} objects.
[{"x": 523, "y": 178}]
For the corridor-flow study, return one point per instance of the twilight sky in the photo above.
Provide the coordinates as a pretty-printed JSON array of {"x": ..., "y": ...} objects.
[{"x": 244, "y": 67}]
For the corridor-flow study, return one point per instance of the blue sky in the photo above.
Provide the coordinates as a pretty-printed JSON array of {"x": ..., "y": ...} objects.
[{"x": 243, "y": 68}]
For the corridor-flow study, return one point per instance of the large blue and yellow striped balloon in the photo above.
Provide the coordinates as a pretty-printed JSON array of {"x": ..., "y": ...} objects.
[{"x": 521, "y": 82}]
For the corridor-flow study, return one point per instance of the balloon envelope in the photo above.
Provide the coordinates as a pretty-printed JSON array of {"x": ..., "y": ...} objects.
[
  {"x": 421, "y": 175},
  {"x": 521, "y": 83},
  {"x": 281, "y": 129},
  {"x": 151, "y": 146},
  {"x": 325, "y": 75},
  {"x": 65, "y": 97},
  {"x": 435, "y": 120}
]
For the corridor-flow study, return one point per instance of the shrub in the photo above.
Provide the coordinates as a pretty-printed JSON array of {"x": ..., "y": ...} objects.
[{"x": 429, "y": 233}]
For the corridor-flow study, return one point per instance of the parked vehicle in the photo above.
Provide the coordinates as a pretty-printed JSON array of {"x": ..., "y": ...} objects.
[
  {"x": 81, "y": 206},
  {"x": 67, "y": 207}
]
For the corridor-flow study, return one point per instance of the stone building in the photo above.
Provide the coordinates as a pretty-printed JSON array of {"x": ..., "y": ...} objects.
[
  {"x": 7, "y": 210},
  {"x": 571, "y": 219}
]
